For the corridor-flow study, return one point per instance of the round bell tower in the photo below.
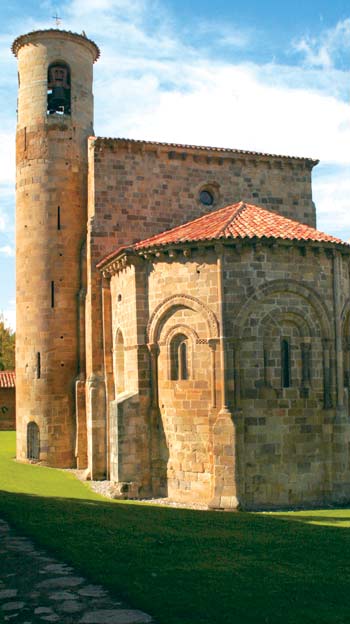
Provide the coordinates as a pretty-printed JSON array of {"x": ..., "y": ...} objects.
[{"x": 55, "y": 118}]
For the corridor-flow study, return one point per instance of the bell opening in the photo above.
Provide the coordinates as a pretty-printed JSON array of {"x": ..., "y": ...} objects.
[{"x": 58, "y": 89}]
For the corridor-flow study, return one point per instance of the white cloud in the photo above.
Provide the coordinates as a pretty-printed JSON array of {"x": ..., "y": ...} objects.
[
  {"x": 152, "y": 83},
  {"x": 7, "y": 250},
  {"x": 206, "y": 102},
  {"x": 325, "y": 50},
  {"x": 331, "y": 193},
  {"x": 218, "y": 33}
]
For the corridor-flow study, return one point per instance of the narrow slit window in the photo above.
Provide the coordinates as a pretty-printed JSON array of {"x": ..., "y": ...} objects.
[
  {"x": 58, "y": 217},
  {"x": 119, "y": 363},
  {"x": 179, "y": 358},
  {"x": 52, "y": 294},
  {"x": 266, "y": 364},
  {"x": 38, "y": 365},
  {"x": 285, "y": 364},
  {"x": 182, "y": 358}
]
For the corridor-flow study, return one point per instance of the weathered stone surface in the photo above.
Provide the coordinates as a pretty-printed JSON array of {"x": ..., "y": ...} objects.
[
  {"x": 70, "y": 581},
  {"x": 116, "y": 616},
  {"x": 8, "y": 593},
  {"x": 93, "y": 591},
  {"x": 45, "y": 604},
  {"x": 42, "y": 610},
  {"x": 63, "y": 595},
  {"x": 12, "y": 606},
  {"x": 71, "y": 606},
  {"x": 58, "y": 568}
]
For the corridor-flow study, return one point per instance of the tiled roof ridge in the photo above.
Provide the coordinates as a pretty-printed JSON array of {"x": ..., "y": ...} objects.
[
  {"x": 183, "y": 226},
  {"x": 21, "y": 39},
  {"x": 7, "y": 379},
  {"x": 238, "y": 209},
  {"x": 260, "y": 224},
  {"x": 208, "y": 148}
]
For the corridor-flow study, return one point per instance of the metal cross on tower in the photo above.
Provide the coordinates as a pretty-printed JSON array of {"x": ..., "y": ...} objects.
[{"x": 57, "y": 19}]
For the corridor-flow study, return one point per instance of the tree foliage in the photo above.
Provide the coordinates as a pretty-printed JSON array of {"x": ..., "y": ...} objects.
[{"x": 7, "y": 346}]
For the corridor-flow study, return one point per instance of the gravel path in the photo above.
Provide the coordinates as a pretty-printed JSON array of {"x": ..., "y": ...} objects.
[
  {"x": 37, "y": 588},
  {"x": 109, "y": 490}
]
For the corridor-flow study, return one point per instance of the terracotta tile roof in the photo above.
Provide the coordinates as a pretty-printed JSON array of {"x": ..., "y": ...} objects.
[
  {"x": 7, "y": 379},
  {"x": 238, "y": 221},
  {"x": 206, "y": 148}
]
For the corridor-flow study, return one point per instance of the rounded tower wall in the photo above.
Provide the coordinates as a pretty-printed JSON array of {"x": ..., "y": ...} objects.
[{"x": 50, "y": 230}]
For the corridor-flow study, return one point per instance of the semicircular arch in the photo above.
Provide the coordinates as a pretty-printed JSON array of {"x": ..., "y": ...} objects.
[
  {"x": 303, "y": 324},
  {"x": 176, "y": 301},
  {"x": 285, "y": 287}
]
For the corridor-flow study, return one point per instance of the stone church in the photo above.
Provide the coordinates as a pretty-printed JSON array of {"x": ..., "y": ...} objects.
[{"x": 182, "y": 328}]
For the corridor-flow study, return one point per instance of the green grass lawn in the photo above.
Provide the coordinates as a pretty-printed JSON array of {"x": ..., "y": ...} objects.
[{"x": 184, "y": 566}]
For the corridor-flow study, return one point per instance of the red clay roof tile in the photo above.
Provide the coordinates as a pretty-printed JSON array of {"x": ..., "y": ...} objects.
[
  {"x": 238, "y": 221},
  {"x": 7, "y": 379}
]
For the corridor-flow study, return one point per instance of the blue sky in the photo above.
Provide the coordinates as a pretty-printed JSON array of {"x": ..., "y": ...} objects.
[{"x": 265, "y": 76}]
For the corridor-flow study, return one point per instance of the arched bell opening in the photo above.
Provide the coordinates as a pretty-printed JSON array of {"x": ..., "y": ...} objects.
[{"x": 58, "y": 89}]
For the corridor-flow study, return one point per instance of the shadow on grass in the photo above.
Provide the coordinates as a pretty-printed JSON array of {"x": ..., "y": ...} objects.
[
  {"x": 193, "y": 567},
  {"x": 338, "y": 521}
]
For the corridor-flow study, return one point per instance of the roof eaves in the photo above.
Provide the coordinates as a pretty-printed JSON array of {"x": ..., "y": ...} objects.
[
  {"x": 206, "y": 148},
  {"x": 115, "y": 255}
]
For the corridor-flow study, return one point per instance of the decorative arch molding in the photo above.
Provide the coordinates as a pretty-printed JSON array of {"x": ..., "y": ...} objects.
[
  {"x": 180, "y": 328},
  {"x": 184, "y": 301},
  {"x": 192, "y": 337},
  {"x": 292, "y": 317},
  {"x": 345, "y": 313},
  {"x": 285, "y": 286}
]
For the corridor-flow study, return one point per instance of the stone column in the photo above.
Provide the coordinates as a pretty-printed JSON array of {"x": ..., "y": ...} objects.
[
  {"x": 108, "y": 360},
  {"x": 212, "y": 345},
  {"x": 327, "y": 396},
  {"x": 224, "y": 432},
  {"x": 157, "y": 468},
  {"x": 96, "y": 411},
  {"x": 339, "y": 363}
]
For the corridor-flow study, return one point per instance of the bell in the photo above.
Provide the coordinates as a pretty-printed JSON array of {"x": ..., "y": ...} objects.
[
  {"x": 58, "y": 100},
  {"x": 58, "y": 97}
]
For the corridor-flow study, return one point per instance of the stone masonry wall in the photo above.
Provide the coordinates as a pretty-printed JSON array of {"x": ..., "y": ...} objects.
[
  {"x": 138, "y": 189},
  {"x": 291, "y": 435},
  {"x": 292, "y": 440},
  {"x": 50, "y": 229},
  {"x": 178, "y": 432}
]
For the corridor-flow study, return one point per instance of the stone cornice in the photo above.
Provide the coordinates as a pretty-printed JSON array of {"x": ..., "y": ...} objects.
[
  {"x": 211, "y": 154},
  {"x": 128, "y": 256},
  {"x": 55, "y": 33}
]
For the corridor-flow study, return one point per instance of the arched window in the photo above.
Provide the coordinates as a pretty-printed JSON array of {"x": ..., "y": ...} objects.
[
  {"x": 33, "y": 441},
  {"x": 285, "y": 363},
  {"x": 179, "y": 357},
  {"x": 58, "y": 89},
  {"x": 119, "y": 363}
]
